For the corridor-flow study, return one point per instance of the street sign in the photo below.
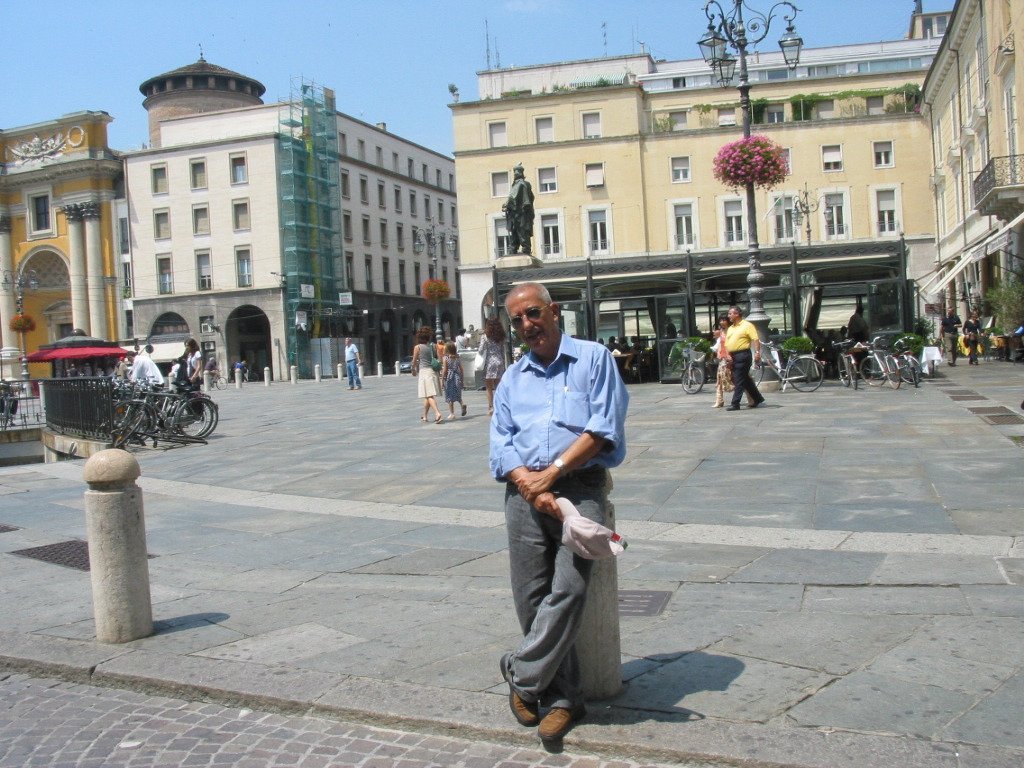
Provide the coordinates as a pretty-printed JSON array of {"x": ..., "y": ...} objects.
[
  {"x": 345, "y": 298},
  {"x": 307, "y": 291},
  {"x": 933, "y": 310}
]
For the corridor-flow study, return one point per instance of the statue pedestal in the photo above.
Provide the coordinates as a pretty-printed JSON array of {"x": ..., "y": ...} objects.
[{"x": 516, "y": 261}]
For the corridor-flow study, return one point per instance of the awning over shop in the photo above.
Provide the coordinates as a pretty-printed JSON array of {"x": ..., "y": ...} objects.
[
  {"x": 998, "y": 240},
  {"x": 167, "y": 351},
  {"x": 75, "y": 353}
]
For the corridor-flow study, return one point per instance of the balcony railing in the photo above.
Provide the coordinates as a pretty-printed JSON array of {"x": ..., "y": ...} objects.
[{"x": 1000, "y": 172}]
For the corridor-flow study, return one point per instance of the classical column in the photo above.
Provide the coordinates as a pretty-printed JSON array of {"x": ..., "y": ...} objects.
[
  {"x": 7, "y": 307},
  {"x": 76, "y": 239},
  {"x": 94, "y": 278}
]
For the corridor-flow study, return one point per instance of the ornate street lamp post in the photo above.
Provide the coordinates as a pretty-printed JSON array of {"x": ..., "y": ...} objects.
[
  {"x": 434, "y": 242},
  {"x": 803, "y": 207},
  {"x": 19, "y": 282},
  {"x": 727, "y": 28}
]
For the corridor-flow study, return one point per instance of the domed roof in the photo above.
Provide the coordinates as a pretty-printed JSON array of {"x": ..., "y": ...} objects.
[{"x": 203, "y": 68}]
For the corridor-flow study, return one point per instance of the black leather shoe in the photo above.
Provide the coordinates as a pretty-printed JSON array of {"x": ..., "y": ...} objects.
[
  {"x": 755, "y": 405},
  {"x": 733, "y": 408}
]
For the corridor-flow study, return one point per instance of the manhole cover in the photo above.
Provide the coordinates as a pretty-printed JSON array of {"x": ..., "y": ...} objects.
[
  {"x": 991, "y": 411},
  {"x": 642, "y": 603},
  {"x": 71, "y": 554},
  {"x": 961, "y": 392},
  {"x": 7, "y": 528},
  {"x": 1009, "y": 418},
  {"x": 962, "y": 398}
]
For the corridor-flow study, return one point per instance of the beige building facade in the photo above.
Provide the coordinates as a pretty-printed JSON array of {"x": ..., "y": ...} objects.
[
  {"x": 971, "y": 99},
  {"x": 637, "y": 236}
]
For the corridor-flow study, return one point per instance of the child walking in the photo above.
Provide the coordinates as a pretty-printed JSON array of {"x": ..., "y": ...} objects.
[{"x": 451, "y": 379}]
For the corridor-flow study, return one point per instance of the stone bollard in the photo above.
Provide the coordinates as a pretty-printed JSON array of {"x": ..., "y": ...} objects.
[
  {"x": 238, "y": 378},
  {"x": 294, "y": 374},
  {"x": 341, "y": 373},
  {"x": 116, "y": 532},
  {"x": 316, "y": 372},
  {"x": 266, "y": 376},
  {"x": 598, "y": 641},
  {"x": 397, "y": 371},
  {"x": 362, "y": 372},
  {"x": 207, "y": 381},
  {"x": 380, "y": 370}
]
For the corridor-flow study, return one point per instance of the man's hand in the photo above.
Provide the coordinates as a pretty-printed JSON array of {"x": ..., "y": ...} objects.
[
  {"x": 546, "y": 503},
  {"x": 532, "y": 484}
]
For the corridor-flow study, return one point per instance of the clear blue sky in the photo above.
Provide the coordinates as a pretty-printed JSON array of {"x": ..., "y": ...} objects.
[{"x": 388, "y": 61}]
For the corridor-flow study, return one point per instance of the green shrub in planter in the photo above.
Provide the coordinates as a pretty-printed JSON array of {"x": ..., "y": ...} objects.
[
  {"x": 800, "y": 345},
  {"x": 700, "y": 344},
  {"x": 914, "y": 341}
]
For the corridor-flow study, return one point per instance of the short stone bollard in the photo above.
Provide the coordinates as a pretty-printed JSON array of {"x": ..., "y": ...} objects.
[
  {"x": 316, "y": 372},
  {"x": 341, "y": 373},
  {"x": 397, "y": 369},
  {"x": 207, "y": 381},
  {"x": 116, "y": 532},
  {"x": 266, "y": 376},
  {"x": 380, "y": 370},
  {"x": 238, "y": 378},
  {"x": 294, "y": 374},
  {"x": 598, "y": 644}
]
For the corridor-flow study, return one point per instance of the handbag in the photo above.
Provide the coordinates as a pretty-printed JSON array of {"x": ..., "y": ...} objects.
[
  {"x": 479, "y": 361},
  {"x": 435, "y": 364}
]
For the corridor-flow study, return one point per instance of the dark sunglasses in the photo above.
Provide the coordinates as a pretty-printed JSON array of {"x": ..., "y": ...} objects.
[{"x": 533, "y": 314}]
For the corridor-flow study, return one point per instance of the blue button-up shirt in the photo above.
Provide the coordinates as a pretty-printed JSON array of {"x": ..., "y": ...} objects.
[{"x": 539, "y": 412}]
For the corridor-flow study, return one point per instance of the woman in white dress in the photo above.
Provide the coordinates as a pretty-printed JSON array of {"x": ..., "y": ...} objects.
[{"x": 427, "y": 383}]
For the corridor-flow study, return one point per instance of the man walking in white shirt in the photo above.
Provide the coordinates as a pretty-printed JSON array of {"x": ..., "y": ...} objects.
[{"x": 144, "y": 370}]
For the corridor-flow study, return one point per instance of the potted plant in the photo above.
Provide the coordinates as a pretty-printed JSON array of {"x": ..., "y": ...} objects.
[
  {"x": 798, "y": 345},
  {"x": 914, "y": 342},
  {"x": 436, "y": 291},
  {"x": 22, "y": 323},
  {"x": 755, "y": 160}
]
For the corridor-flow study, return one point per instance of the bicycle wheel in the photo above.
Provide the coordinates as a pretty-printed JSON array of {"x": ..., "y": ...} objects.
[
  {"x": 871, "y": 371},
  {"x": 196, "y": 417},
  {"x": 693, "y": 378},
  {"x": 892, "y": 372},
  {"x": 220, "y": 382},
  {"x": 805, "y": 374},
  {"x": 910, "y": 369},
  {"x": 132, "y": 419},
  {"x": 845, "y": 371}
]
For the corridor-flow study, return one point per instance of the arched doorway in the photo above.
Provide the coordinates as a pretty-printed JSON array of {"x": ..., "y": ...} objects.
[
  {"x": 47, "y": 295},
  {"x": 247, "y": 336}
]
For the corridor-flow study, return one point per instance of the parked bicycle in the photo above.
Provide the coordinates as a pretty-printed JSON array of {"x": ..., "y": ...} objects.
[
  {"x": 880, "y": 366},
  {"x": 694, "y": 372},
  {"x": 141, "y": 414},
  {"x": 804, "y": 371},
  {"x": 909, "y": 365},
  {"x": 8, "y": 404},
  {"x": 847, "y": 363}
]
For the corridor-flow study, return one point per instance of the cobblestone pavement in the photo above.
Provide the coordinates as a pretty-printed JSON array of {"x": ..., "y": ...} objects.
[{"x": 53, "y": 724}]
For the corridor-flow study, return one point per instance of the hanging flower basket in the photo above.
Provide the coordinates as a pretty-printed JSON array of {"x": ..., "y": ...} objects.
[
  {"x": 436, "y": 291},
  {"x": 757, "y": 160},
  {"x": 22, "y": 324}
]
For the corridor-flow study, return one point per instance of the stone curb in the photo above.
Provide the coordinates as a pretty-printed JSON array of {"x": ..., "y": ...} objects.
[{"x": 610, "y": 731}]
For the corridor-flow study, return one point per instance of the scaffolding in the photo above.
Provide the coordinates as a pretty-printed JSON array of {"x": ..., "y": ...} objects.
[{"x": 310, "y": 210}]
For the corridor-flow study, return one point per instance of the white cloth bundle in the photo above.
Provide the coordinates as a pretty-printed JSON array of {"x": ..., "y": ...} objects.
[{"x": 585, "y": 537}]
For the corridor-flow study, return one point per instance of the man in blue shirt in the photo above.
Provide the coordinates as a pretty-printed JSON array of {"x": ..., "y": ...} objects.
[{"x": 558, "y": 426}]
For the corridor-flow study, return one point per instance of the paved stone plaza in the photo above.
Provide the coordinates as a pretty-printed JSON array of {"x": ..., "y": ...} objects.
[{"x": 843, "y": 570}]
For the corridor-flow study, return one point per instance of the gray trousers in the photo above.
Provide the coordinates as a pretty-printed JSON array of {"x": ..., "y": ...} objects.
[{"x": 549, "y": 587}]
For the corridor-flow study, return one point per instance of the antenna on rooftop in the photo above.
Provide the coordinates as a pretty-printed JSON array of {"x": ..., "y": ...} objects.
[
  {"x": 604, "y": 36},
  {"x": 487, "y": 35}
]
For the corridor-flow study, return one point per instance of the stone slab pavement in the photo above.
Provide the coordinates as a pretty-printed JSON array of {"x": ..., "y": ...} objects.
[{"x": 842, "y": 572}]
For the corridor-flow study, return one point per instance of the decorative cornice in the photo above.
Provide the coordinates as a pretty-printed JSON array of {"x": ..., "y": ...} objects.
[{"x": 37, "y": 149}]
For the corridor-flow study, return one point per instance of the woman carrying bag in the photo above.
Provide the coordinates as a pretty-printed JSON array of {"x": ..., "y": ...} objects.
[{"x": 425, "y": 366}]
